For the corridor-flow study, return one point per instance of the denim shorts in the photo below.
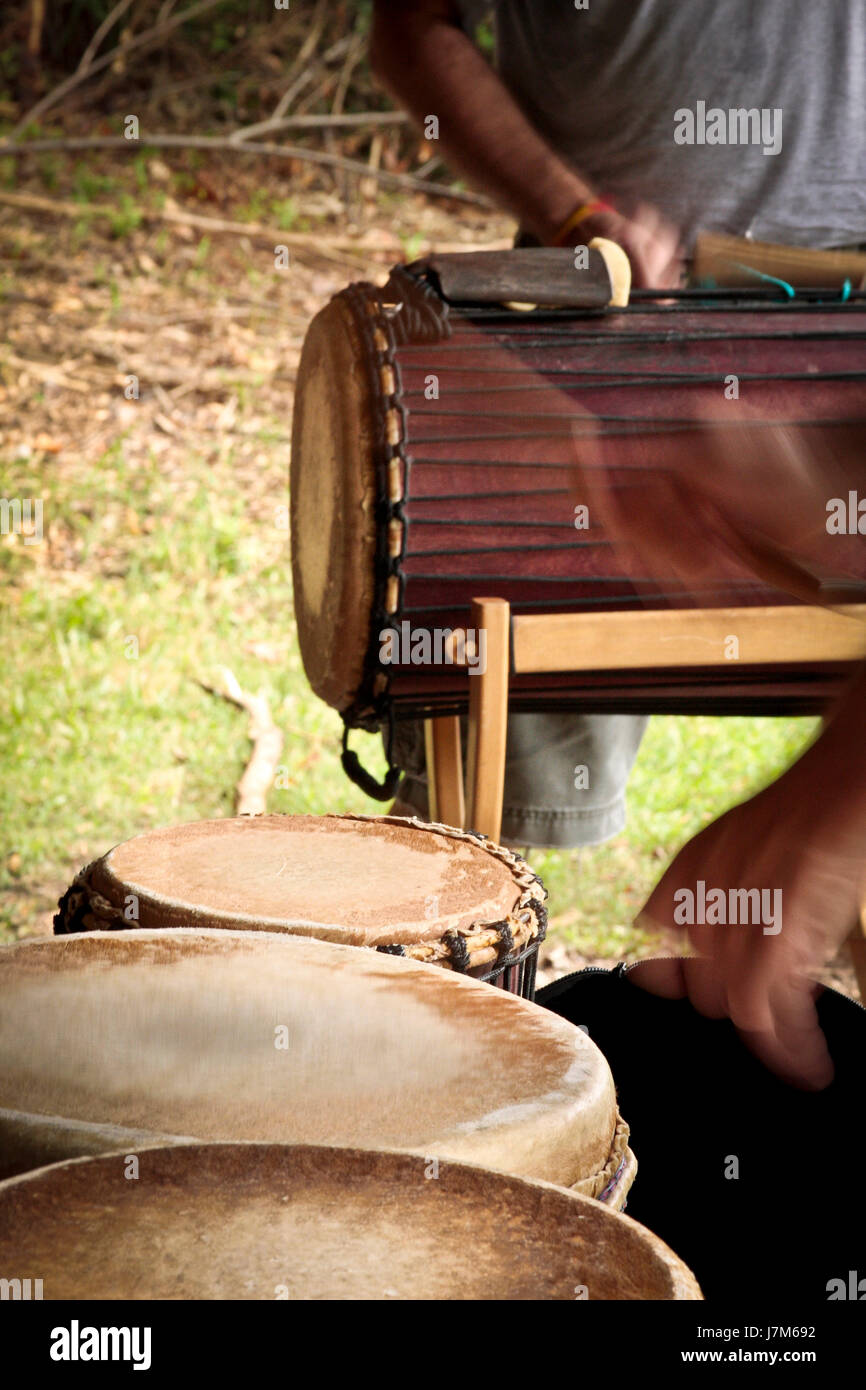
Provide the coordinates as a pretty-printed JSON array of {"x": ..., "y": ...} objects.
[{"x": 565, "y": 775}]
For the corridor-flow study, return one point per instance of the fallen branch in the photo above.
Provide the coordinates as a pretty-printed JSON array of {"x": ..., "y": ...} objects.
[
  {"x": 44, "y": 371},
  {"x": 299, "y": 74},
  {"x": 323, "y": 246},
  {"x": 267, "y": 740},
  {"x": 107, "y": 24},
  {"x": 152, "y": 35},
  {"x": 342, "y": 118},
  {"x": 353, "y": 58},
  {"x": 274, "y": 235},
  {"x": 220, "y": 143}
]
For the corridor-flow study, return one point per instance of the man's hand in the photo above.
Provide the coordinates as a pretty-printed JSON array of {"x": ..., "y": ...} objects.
[
  {"x": 761, "y": 978},
  {"x": 651, "y": 243},
  {"x": 734, "y": 496},
  {"x": 728, "y": 494}
]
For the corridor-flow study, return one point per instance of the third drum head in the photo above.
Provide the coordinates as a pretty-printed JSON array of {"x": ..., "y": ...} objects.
[{"x": 266, "y": 1221}]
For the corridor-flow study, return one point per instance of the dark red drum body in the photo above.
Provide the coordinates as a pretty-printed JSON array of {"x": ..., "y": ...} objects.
[{"x": 470, "y": 419}]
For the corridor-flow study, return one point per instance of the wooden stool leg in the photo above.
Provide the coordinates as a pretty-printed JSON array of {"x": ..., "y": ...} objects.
[
  {"x": 488, "y": 718},
  {"x": 445, "y": 771}
]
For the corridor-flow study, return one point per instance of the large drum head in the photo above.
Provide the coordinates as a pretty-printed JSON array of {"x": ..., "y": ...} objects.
[
  {"x": 255, "y": 1036},
  {"x": 267, "y": 1221}
]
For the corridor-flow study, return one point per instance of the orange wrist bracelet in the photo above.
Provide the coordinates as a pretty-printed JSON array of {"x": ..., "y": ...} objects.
[{"x": 579, "y": 215}]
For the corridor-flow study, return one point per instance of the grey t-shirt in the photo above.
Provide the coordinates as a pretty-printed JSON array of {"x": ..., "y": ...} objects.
[{"x": 623, "y": 87}]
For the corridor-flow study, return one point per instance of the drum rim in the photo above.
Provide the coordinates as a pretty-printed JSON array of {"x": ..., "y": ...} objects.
[
  {"x": 609, "y": 1186},
  {"x": 682, "y": 1282},
  {"x": 337, "y": 332}
]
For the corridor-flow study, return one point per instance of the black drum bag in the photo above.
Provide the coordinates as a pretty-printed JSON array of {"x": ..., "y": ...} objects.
[{"x": 792, "y": 1223}]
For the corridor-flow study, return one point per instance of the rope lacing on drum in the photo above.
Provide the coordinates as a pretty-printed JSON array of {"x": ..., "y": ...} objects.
[
  {"x": 406, "y": 310},
  {"x": 458, "y": 949},
  {"x": 371, "y": 706},
  {"x": 422, "y": 316}
]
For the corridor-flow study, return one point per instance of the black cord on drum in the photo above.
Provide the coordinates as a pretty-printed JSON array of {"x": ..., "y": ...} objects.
[{"x": 385, "y": 790}]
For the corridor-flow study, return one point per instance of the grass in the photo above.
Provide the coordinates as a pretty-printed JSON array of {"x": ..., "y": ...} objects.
[{"x": 106, "y": 731}]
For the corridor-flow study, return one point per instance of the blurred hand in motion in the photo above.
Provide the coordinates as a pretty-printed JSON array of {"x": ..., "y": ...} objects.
[
  {"x": 813, "y": 868},
  {"x": 732, "y": 495},
  {"x": 727, "y": 494}
]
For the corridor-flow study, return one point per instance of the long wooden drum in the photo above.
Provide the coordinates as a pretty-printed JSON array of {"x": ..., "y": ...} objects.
[
  {"x": 113, "y": 1040},
  {"x": 433, "y": 894},
  {"x": 435, "y": 436},
  {"x": 265, "y": 1221}
]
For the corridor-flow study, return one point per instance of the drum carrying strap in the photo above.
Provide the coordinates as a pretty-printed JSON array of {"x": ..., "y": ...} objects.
[{"x": 385, "y": 790}]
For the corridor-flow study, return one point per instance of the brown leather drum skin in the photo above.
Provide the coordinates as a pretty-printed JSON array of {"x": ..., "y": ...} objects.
[
  {"x": 112, "y": 1039},
  {"x": 239, "y": 1221},
  {"x": 431, "y": 892}
]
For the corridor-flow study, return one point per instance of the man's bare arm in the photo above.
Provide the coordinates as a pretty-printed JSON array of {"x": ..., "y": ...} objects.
[
  {"x": 419, "y": 51},
  {"x": 433, "y": 68}
]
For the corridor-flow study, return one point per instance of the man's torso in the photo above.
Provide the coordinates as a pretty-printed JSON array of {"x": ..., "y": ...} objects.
[{"x": 613, "y": 87}]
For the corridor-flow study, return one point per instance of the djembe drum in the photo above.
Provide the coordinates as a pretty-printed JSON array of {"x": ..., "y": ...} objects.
[
  {"x": 433, "y": 894},
  {"x": 112, "y": 1040},
  {"x": 434, "y": 442},
  {"x": 266, "y": 1221}
]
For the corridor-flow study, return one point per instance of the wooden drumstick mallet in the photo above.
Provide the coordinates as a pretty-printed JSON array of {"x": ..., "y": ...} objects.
[{"x": 533, "y": 277}]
